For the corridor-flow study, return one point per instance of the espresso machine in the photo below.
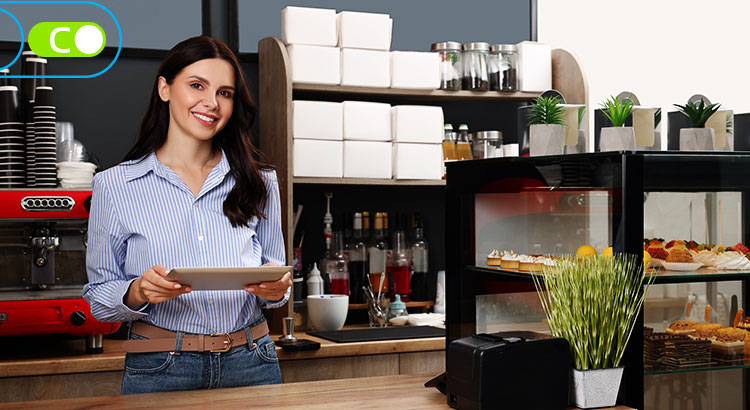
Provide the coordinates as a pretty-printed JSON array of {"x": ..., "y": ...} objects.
[{"x": 43, "y": 236}]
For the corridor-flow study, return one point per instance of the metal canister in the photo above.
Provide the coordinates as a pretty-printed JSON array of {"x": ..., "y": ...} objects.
[{"x": 488, "y": 144}]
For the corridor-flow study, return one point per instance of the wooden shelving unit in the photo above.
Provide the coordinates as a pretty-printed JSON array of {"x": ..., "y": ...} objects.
[{"x": 276, "y": 92}]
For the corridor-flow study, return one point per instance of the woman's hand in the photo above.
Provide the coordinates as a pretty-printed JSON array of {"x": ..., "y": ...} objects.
[
  {"x": 271, "y": 290},
  {"x": 151, "y": 287}
]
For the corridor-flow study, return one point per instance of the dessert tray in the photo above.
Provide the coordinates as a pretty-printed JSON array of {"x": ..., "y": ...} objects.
[{"x": 681, "y": 267}]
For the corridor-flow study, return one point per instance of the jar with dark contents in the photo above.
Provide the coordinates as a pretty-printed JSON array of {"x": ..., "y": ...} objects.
[
  {"x": 4, "y": 80},
  {"x": 475, "y": 75},
  {"x": 503, "y": 67},
  {"x": 450, "y": 64}
]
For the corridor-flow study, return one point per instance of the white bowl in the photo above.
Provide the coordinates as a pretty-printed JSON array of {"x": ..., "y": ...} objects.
[{"x": 327, "y": 312}]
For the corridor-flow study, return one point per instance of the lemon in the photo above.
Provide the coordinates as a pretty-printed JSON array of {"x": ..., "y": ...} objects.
[
  {"x": 646, "y": 260},
  {"x": 607, "y": 252},
  {"x": 585, "y": 251}
]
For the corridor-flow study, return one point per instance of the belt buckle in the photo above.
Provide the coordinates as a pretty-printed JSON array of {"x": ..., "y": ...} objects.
[{"x": 227, "y": 343}]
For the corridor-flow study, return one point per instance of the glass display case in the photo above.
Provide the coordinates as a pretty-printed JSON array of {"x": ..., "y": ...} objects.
[{"x": 555, "y": 205}]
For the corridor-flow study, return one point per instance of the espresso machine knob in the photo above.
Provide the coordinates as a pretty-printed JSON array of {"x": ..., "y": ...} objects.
[{"x": 77, "y": 318}]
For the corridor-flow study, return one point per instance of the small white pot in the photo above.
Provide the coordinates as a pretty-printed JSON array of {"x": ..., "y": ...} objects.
[
  {"x": 595, "y": 388},
  {"x": 546, "y": 139},
  {"x": 617, "y": 139},
  {"x": 696, "y": 139}
]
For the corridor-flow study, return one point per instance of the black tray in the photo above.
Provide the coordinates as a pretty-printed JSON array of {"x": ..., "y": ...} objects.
[{"x": 379, "y": 333}]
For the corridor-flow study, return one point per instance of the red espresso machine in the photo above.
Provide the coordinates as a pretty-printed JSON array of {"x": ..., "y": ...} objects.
[{"x": 43, "y": 235}]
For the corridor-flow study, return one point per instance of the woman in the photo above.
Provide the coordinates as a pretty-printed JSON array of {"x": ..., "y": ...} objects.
[{"x": 189, "y": 194}]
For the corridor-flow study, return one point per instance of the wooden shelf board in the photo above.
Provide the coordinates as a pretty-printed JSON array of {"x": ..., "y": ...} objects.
[
  {"x": 431, "y": 94},
  {"x": 369, "y": 181},
  {"x": 425, "y": 304}
]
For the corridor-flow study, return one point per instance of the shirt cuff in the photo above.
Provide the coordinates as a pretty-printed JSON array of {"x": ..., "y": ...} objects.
[
  {"x": 123, "y": 309},
  {"x": 273, "y": 304}
]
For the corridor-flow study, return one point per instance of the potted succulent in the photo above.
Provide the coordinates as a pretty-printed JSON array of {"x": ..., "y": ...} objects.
[
  {"x": 618, "y": 136},
  {"x": 593, "y": 303},
  {"x": 698, "y": 138},
  {"x": 546, "y": 127}
]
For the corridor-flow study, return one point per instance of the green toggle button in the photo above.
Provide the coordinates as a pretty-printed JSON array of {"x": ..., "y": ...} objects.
[{"x": 67, "y": 39}]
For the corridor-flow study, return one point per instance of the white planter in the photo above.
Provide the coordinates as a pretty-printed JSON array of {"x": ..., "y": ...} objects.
[
  {"x": 546, "y": 139},
  {"x": 595, "y": 388},
  {"x": 696, "y": 139},
  {"x": 617, "y": 139}
]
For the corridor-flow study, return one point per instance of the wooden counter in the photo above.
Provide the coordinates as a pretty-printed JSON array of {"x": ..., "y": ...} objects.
[
  {"x": 52, "y": 367},
  {"x": 402, "y": 392}
]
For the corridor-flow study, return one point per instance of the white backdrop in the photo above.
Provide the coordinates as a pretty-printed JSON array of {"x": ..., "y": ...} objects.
[{"x": 664, "y": 51}]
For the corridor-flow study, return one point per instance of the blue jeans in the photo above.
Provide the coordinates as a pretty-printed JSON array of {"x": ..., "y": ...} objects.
[{"x": 246, "y": 365}]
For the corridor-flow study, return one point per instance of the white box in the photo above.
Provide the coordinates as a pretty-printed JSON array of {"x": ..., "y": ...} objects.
[
  {"x": 367, "y": 121},
  {"x": 417, "y": 123},
  {"x": 534, "y": 66},
  {"x": 415, "y": 70},
  {"x": 315, "y": 64},
  {"x": 365, "y": 68},
  {"x": 316, "y": 158},
  {"x": 364, "y": 30},
  {"x": 306, "y": 25},
  {"x": 366, "y": 159},
  {"x": 318, "y": 120},
  {"x": 417, "y": 161}
]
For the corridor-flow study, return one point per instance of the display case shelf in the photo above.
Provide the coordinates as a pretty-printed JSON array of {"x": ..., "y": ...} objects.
[
  {"x": 662, "y": 276},
  {"x": 713, "y": 366}
]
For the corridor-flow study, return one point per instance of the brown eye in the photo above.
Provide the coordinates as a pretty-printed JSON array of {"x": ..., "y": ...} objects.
[
  {"x": 197, "y": 86},
  {"x": 225, "y": 94}
]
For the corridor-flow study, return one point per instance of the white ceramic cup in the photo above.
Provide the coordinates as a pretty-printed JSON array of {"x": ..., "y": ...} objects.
[{"x": 327, "y": 312}]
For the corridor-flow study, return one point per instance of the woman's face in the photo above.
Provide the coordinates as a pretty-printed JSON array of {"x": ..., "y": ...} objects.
[{"x": 201, "y": 98}]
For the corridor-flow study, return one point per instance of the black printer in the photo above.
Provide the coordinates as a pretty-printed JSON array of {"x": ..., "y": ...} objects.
[{"x": 511, "y": 370}]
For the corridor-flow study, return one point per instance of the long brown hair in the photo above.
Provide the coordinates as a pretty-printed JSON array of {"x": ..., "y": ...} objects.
[{"x": 249, "y": 194}]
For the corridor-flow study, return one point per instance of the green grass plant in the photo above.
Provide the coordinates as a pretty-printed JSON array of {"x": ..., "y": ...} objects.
[
  {"x": 547, "y": 110},
  {"x": 617, "y": 111},
  {"x": 698, "y": 113},
  {"x": 593, "y": 303}
]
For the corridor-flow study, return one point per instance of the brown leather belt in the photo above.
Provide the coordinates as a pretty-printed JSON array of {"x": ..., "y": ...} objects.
[{"x": 162, "y": 340}]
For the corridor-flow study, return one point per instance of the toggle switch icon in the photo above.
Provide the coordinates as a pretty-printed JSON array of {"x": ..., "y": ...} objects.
[{"x": 67, "y": 39}]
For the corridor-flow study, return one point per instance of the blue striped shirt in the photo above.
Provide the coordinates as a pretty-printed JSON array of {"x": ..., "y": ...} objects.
[{"x": 143, "y": 214}]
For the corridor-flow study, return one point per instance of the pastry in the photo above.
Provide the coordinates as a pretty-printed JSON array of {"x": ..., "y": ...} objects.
[
  {"x": 704, "y": 256},
  {"x": 744, "y": 324},
  {"x": 679, "y": 255},
  {"x": 675, "y": 244},
  {"x": 682, "y": 327},
  {"x": 705, "y": 331},
  {"x": 493, "y": 259},
  {"x": 528, "y": 263},
  {"x": 728, "y": 347},
  {"x": 731, "y": 260},
  {"x": 509, "y": 260},
  {"x": 656, "y": 250}
]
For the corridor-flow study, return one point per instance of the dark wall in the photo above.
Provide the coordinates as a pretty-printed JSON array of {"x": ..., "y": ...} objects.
[{"x": 416, "y": 23}]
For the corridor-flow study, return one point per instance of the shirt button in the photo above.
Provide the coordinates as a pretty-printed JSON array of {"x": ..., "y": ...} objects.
[
  {"x": 200, "y": 238},
  {"x": 195, "y": 204}
]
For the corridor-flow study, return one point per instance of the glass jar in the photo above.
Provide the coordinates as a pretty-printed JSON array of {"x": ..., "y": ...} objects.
[
  {"x": 475, "y": 74},
  {"x": 488, "y": 144},
  {"x": 503, "y": 67},
  {"x": 4, "y": 80},
  {"x": 450, "y": 64}
]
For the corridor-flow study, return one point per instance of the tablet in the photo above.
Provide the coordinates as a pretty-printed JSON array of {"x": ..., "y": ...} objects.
[{"x": 226, "y": 278}]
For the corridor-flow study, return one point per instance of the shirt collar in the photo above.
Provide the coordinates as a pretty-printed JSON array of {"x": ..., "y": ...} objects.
[{"x": 141, "y": 167}]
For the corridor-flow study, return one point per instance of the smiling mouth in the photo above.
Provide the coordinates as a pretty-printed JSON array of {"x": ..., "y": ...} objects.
[{"x": 204, "y": 118}]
